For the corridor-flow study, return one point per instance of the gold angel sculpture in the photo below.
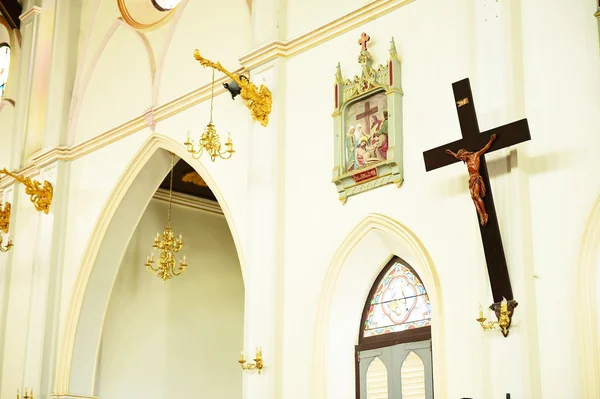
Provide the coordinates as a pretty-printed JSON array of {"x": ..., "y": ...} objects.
[{"x": 258, "y": 100}]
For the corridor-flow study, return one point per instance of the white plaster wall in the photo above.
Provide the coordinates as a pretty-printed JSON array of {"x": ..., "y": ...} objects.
[
  {"x": 561, "y": 62},
  {"x": 428, "y": 38},
  {"x": 181, "y": 338},
  {"x": 7, "y": 119},
  {"x": 123, "y": 72},
  {"x": 119, "y": 88},
  {"x": 223, "y": 35},
  {"x": 434, "y": 40},
  {"x": 304, "y": 16}
]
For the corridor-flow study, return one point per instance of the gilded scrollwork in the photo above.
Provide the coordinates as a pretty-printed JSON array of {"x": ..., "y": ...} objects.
[
  {"x": 258, "y": 100},
  {"x": 5, "y": 218},
  {"x": 40, "y": 194}
]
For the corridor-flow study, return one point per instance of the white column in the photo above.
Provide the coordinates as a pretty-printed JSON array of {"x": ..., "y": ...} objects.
[
  {"x": 42, "y": 338},
  {"x": 264, "y": 256},
  {"x": 24, "y": 221},
  {"x": 63, "y": 69},
  {"x": 37, "y": 26},
  {"x": 266, "y": 200},
  {"x": 10, "y": 195}
]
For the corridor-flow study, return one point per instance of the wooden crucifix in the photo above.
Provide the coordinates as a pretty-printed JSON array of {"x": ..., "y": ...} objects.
[{"x": 470, "y": 150}]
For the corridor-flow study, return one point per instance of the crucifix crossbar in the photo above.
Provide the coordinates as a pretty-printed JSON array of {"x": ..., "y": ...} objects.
[
  {"x": 365, "y": 115},
  {"x": 473, "y": 140}
]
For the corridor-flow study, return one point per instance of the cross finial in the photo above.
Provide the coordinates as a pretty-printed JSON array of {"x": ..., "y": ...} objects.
[{"x": 364, "y": 38}]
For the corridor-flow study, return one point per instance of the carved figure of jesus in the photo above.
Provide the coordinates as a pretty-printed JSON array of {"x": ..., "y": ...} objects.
[{"x": 476, "y": 185}]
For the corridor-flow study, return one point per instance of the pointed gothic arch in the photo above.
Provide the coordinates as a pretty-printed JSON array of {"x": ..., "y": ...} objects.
[
  {"x": 76, "y": 371},
  {"x": 346, "y": 285}
]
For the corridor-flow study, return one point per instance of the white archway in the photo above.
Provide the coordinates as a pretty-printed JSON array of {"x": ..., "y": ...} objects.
[
  {"x": 83, "y": 328},
  {"x": 587, "y": 309},
  {"x": 350, "y": 275}
]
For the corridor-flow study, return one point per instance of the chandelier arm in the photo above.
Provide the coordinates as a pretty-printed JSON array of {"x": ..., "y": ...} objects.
[
  {"x": 151, "y": 268},
  {"x": 8, "y": 245}
]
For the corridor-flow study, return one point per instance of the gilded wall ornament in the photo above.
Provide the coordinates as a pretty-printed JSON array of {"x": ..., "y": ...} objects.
[
  {"x": 258, "y": 100},
  {"x": 40, "y": 194}
]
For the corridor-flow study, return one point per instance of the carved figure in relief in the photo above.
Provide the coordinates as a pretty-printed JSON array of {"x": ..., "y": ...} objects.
[
  {"x": 350, "y": 146},
  {"x": 476, "y": 185},
  {"x": 381, "y": 136}
]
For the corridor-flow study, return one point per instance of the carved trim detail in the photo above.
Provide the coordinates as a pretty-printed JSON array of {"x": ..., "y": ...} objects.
[
  {"x": 189, "y": 201},
  {"x": 252, "y": 60}
]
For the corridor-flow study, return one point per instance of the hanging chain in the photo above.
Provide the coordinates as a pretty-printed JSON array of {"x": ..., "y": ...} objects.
[
  {"x": 212, "y": 96},
  {"x": 171, "y": 190}
]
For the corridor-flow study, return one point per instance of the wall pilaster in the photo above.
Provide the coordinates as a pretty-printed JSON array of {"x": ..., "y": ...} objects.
[
  {"x": 497, "y": 78},
  {"x": 42, "y": 339},
  {"x": 266, "y": 201}
]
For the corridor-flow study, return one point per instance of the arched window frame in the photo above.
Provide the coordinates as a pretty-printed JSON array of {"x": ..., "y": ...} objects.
[
  {"x": 160, "y": 8},
  {"x": 389, "y": 339}
]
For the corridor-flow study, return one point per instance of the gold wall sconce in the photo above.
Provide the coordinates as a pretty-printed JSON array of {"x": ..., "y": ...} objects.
[
  {"x": 258, "y": 361},
  {"x": 40, "y": 195},
  {"x": 258, "y": 100},
  {"x": 4, "y": 225},
  {"x": 27, "y": 395},
  {"x": 503, "y": 312}
]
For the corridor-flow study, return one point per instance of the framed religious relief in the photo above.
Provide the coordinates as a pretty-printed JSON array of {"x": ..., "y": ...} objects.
[{"x": 368, "y": 126}]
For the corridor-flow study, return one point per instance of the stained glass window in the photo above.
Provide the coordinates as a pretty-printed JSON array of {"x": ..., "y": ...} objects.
[
  {"x": 165, "y": 5},
  {"x": 4, "y": 64},
  {"x": 399, "y": 303}
]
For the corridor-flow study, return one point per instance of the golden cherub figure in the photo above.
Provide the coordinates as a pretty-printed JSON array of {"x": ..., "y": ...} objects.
[{"x": 258, "y": 100}]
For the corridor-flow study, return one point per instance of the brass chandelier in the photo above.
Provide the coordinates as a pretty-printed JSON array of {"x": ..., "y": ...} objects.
[
  {"x": 167, "y": 246},
  {"x": 209, "y": 141}
]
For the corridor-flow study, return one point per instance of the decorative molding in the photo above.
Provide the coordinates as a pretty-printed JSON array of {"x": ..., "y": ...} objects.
[
  {"x": 35, "y": 10},
  {"x": 149, "y": 115},
  {"x": 401, "y": 234},
  {"x": 188, "y": 100},
  {"x": 586, "y": 309},
  {"x": 189, "y": 201},
  {"x": 322, "y": 34},
  {"x": 71, "y": 396},
  {"x": 381, "y": 181}
]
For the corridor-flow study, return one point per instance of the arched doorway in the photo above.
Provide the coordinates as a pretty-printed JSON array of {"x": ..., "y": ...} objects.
[
  {"x": 80, "y": 343},
  {"x": 346, "y": 286},
  {"x": 393, "y": 355}
]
